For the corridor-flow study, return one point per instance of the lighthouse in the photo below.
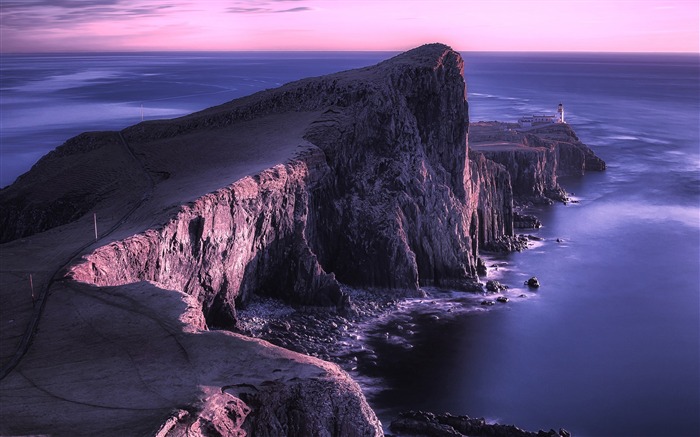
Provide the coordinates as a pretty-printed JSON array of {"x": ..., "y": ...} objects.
[{"x": 560, "y": 114}]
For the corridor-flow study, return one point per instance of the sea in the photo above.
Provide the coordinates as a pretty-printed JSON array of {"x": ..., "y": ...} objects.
[{"x": 608, "y": 345}]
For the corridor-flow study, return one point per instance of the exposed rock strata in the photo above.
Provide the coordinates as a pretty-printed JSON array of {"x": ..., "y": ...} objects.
[
  {"x": 243, "y": 239},
  {"x": 386, "y": 200},
  {"x": 383, "y": 195},
  {"x": 535, "y": 158}
]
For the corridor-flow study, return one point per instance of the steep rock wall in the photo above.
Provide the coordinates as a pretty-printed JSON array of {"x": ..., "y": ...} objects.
[
  {"x": 387, "y": 202},
  {"x": 533, "y": 172},
  {"x": 492, "y": 217},
  {"x": 243, "y": 239},
  {"x": 536, "y": 158},
  {"x": 397, "y": 215}
]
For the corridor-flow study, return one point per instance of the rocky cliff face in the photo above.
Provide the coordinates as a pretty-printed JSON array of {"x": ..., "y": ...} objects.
[
  {"x": 384, "y": 194},
  {"x": 395, "y": 213},
  {"x": 385, "y": 199},
  {"x": 492, "y": 217},
  {"x": 535, "y": 158},
  {"x": 246, "y": 238}
]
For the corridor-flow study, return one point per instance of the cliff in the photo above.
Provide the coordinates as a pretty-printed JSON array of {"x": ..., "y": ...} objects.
[
  {"x": 535, "y": 158},
  {"x": 382, "y": 196},
  {"x": 362, "y": 178},
  {"x": 359, "y": 177},
  {"x": 66, "y": 184}
]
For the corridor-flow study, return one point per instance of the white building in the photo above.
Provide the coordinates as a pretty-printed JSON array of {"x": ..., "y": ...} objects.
[{"x": 540, "y": 119}]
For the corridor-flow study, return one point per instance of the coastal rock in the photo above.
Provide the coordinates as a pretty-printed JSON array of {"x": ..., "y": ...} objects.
[
  {"x": 419, "y": 423},
  {"x": 492, "y": 203},
  {"x": 243, "y": 239},
  {"x": 535, "y": 158},
  {"x": 526, "y": 221},
  {"x": 362, "y": 178},
  {"x": 533, "y": 282},
  {"x": 383, "y": 198},
  {"x": 507, "y": 243},
  {"x": 311, "y": 408},
  {"x": 495, "y": 286},
  {"x": 481, "y": 268}
]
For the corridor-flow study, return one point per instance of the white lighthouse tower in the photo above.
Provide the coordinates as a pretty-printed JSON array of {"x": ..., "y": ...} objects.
[{"x": 560, "y": 114}]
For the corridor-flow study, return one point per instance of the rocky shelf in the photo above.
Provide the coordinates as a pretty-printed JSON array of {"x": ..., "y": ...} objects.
[{"x": 142, "y": 243}]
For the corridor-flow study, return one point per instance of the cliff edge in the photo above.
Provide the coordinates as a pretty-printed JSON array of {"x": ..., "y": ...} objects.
[
  {"x": 535, "y": 158},
  {"x": 147, "y": 239}
]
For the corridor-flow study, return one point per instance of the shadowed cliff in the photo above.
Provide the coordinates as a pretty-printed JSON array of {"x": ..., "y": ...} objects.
[
  {"x": 361, "y": 177},
  {"x": 380, "y": 195},
  {"x": 535, "y": 158}
]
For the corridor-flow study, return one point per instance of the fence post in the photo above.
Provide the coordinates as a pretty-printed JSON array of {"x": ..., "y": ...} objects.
[{"x": 31, "y": 285}]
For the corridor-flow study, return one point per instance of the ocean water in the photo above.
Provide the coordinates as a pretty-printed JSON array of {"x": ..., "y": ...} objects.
[
  {"x": 609, "y": 345},
  {"x": 46, "y": 99}
]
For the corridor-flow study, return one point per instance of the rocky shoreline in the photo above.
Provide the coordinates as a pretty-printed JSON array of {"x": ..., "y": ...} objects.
[
  {"x": 336, "y": 335},
  {"x": 339, "y": 196},
  {"x": 419, "y": 423}
]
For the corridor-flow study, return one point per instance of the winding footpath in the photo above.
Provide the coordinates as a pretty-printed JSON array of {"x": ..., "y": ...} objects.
[{"x": 43, "y": 294}]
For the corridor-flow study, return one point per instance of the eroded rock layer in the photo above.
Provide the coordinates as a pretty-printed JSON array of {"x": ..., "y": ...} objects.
[
  {"x": 383, "y": 198},
  {"x": 362, "y": 178},
  {"x": 535, "y": 158}
]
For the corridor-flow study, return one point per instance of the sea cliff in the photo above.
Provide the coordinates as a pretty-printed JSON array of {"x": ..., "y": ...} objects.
[
  {"x": 361, "y": 178},
  {"x": 535, "y": 158}
]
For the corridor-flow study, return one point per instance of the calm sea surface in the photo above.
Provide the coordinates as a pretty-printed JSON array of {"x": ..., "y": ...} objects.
[{"x": 610, "y": 343}]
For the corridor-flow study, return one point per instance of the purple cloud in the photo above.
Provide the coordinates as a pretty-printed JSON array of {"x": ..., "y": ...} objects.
[{"x": 42, "y": 13}]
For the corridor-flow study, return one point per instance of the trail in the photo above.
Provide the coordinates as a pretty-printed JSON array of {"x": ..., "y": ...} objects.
[{"x": 43, "y": 294}]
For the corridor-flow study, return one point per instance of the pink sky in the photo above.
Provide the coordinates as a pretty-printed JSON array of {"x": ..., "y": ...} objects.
[{"x": 511, "y": 25}]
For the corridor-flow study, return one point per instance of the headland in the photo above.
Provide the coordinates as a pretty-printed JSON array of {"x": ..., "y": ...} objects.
[{"x": 143, "y": 244}]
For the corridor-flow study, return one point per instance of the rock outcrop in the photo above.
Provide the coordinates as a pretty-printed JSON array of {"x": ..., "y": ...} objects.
[
  {"x": 243, "y": 239},
  {"x": 535, "y": 158},
  {"x": 383, "y": 198},
  {"x": 362, "y": 178}
]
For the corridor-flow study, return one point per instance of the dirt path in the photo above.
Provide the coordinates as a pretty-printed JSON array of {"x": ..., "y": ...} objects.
[{"x": 39, "y": 303}]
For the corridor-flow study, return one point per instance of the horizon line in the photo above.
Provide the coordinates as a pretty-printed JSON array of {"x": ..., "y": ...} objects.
[{"x": 59, "y": 52}]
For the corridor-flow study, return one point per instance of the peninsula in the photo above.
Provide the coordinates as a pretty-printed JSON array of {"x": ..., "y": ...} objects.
[{"x": 142, "y": 244}]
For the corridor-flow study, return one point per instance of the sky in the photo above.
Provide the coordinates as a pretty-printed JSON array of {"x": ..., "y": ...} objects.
[{"x": 466, "y": 25}]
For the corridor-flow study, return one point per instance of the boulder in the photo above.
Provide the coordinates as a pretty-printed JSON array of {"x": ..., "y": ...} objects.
[{"x": 533, "y": 282}]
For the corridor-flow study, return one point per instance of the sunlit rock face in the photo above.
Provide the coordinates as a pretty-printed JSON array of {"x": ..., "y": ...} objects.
[
  {"x": 385, "y": 198},
  {"x": 362, "y": 177}
]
